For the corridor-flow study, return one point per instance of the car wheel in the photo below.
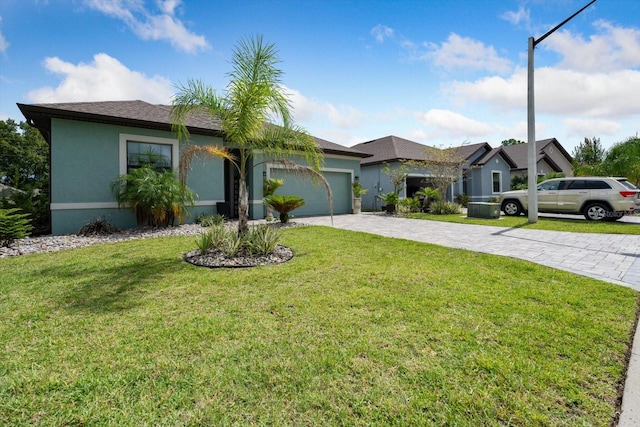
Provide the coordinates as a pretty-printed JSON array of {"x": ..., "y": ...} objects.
[
  {"x": 511, "y": 208},
  {"x": 597, "y": 212}
]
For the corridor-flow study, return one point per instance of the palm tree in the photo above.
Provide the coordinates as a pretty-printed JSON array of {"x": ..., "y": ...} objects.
[{"x": 253, "y": 99}]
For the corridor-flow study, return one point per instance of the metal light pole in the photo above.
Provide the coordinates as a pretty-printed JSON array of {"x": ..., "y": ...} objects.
[{"x": 532, "y": 194}]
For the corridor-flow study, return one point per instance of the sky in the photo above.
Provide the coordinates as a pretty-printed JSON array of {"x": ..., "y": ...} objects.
[{"x": 441, "y": 73}]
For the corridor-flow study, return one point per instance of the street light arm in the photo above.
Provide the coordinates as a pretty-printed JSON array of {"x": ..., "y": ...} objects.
[{"x": 551, "y": 31}]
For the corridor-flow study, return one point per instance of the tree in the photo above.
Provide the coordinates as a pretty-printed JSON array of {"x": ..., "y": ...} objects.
[
  {"x": 23, "y": 156},
  {"x": 623, "y": 159},
  {"x": 588, "y": 157},
  {"x": 444, "y": 166},
  {"x": 253, "y": 96},
  {"x": 511, "y": 141}
]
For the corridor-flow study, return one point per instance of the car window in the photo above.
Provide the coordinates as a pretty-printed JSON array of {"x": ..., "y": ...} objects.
[
  {"x": 548, "y": 186},
  {"x": 578, "y": 184},
  {"x": 598, "y": 185},
  {"x": 627, "y": 184}
]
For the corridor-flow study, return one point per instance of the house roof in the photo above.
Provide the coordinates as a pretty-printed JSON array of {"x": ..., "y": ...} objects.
[
  {"x": 469, "y": 150},
  {"x": 391, "y": 148},
  {"x": 519, "y": 153},
  {"x": 138, "y": 114},
  {"x": 6, "y": 190},
  {"x": 499, "y": 151}
]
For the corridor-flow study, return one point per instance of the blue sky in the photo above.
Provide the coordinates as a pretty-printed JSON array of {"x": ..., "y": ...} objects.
[{"x": 442, "y": 73}]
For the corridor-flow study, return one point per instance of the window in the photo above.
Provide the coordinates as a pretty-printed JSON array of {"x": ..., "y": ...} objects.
[
  {"x": 144, "y": 153},
  {"x": 497, "y": 181},
  {"x": 549, "y": 186},
  {"x": 140, "y": 150}
]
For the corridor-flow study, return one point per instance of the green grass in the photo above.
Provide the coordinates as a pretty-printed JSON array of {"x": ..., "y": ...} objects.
[
  {"x": 553, "y": 224},
  {"x": 355, "y": 330}
]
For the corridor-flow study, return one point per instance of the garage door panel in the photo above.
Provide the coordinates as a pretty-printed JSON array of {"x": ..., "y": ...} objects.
[{"x": 315, "y": 195}]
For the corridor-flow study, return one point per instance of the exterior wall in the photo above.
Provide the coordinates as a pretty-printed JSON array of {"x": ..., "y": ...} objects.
[
  {"x": 480, "y": 183},
  {"x": 377, "y": 183},
  {"x": 559, "y": 159},
  {"x": 340, "y": 172},
  {"x": 86, "y": 158}
]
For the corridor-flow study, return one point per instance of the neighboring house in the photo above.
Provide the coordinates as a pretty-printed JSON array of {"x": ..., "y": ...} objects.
[
  {"x": 552, "y": 158},
  {"x": 7, "y": 191},
  {"x": 487, "y": 172},
  {"x": 92, "y": 143},
  {"x": 392, "y": 151}
]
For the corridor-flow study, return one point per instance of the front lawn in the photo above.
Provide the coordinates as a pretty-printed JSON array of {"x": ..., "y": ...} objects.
[
  {"x": 356, "y": 330},
  {"x": 553, "y": 224}
]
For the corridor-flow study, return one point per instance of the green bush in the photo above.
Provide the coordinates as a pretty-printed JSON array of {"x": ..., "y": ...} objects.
[
  {"x": 283, "y": 205},
  {"x": 444, "y": 207},
  {"x": 257, "y": 241},
  {"x": 463, "y": 199},
  {"x": 263, "y": 240},
  {"x": 408, "y": 205},
  {"x": 157, "y": 198},
  {"x": 209, "y": 220},
  {"x": 13, "y": 226},
  {"x": 98, "y": 227}
]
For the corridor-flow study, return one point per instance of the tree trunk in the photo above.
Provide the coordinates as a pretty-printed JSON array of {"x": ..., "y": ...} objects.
[{"x": 243, "y": 206}]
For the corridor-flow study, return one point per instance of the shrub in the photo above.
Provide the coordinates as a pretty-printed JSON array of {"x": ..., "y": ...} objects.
[
  {"x": 284, "y": 205},
  {"x": 444, "y": 207},
  {"x": 204, "y": 241},
  {"x": 408, "y": 205},
  {"x": 209, "y": 220},
  {"x": 98, "y": 227},
  {"x": 463, "y": 199},
  {"x": 13, "y": 226},
  {"x": 157, "y": 198},
  {"x": 263, "y": 240}
]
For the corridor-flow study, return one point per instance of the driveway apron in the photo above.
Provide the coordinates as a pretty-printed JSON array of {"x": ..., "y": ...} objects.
[{"x": 612, "y": 258}]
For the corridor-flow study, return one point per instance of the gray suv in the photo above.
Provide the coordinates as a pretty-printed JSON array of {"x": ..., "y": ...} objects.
[{"x": 597, "y": 198}]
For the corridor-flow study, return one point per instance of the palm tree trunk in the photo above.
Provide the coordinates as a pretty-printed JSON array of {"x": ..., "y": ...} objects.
[{"x": 243, "y": 205}]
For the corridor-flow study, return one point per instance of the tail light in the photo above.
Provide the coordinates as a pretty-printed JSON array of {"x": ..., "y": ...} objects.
[{"x": 628, "y": 193}]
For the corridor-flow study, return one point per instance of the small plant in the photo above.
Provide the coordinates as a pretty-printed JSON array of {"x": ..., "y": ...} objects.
[
  {"x": 445, "y": 207},
  {"x": 204, "y": 241},
  {"x": 463, "y": 199},
  {"x": 210, "y": 220},
  {"x": 98, "y": 227},
  {"x": 263, "y": 240},
  {"x": 358, "y": 190},
  {"x": 429, "y": 195},
  {"x": 232, "y": 244},
  {"x": 13, "y": 226},
  {"x": 284, "y": 205},
  {"x": 390, "y": 201},
  {"x": 408, "y": 205},
  {"x": 493, "y": 200},
  {"x": 270, "y": 186}
]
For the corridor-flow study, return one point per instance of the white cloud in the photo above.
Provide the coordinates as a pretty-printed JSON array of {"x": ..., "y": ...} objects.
[
  {"x": 307, "y": 110},
  {"x": 580, "y": 128},
  {"x": 522, "y": 15},
  {"x": 4, "y": 44},
  {"x": 148, "y": 26},
  {"x": 105, "y": 79},
  {"x": 612, "y": 48},
  {"x": 464, "y": 52},
  {"x": 453, "y": 125},
  {"x": 381, "y": 32}
]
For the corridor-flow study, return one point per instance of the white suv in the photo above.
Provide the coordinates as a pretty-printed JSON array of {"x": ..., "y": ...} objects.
[{"x": 597, "y": 198}]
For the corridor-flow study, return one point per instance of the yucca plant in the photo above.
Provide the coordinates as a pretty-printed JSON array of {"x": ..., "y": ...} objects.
[
  {"x": 157, "y": 198},
  {"x": 284, "y": 204}
]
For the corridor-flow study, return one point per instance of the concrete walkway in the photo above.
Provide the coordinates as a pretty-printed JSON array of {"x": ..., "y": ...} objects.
[{"x": 608, "y": 257}]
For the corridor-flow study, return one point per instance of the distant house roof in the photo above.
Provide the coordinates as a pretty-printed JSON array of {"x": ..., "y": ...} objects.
[
  {"x": 519, "y": 153},
  {"x": 391, "y": 148},
  {"x": 137, "y": 114},
  {"x": 500, "y": 151},
  {"x": 6, "y": 191},
  {"x": 469, "y": 150}
]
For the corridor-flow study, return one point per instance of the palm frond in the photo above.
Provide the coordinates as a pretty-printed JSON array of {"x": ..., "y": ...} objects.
[{"x": 199, "y": 151}]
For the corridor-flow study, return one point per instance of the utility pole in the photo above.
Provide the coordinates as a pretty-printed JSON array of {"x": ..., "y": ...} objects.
[{"x": 532, "y": 193}]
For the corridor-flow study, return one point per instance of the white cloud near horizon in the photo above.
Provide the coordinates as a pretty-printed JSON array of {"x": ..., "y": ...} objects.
[
  {"x": 307, "y": 110},
  {"x": 148, "y": 26},
  {"x": 104, "y": 79},
  {"x": 450, "y": 124},
  {"x": 465, "y": 52}
]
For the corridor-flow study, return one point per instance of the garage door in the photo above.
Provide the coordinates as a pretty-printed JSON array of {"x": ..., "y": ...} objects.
[{"x": 315, "y": 195}]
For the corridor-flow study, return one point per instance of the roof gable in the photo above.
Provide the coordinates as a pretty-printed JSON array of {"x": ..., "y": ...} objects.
[{"x": 391, "y": 148}]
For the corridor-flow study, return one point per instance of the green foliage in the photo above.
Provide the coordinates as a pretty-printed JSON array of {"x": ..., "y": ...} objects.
[
  {"x": 389, "y": 198},
  {"x": 209, "y": 220},
  {"x": 408, "y": 205},
  {"x": 588, "y": 158},
  {"x": 284, "y": 205},
  {"x": 358, "y": 190},
  {"x": 98, "y": 227},
  {"x": 623, "y": 159},
  {"x": 397, "y": 176},
  {"x": 511, "y": 141},
  {"x": 13, "y": 226},
  {"x": 260, "y": 240},
  {"x": 463, "y": 199},
  {"x": 270, "y": 186},
  {"x": 444, "y": 207},
  {"x": 24, "y": 165},
  {"x": 157, "y": 198}
]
